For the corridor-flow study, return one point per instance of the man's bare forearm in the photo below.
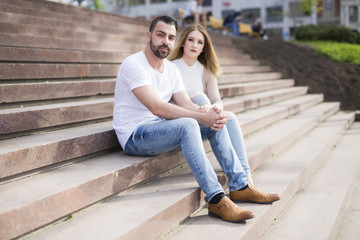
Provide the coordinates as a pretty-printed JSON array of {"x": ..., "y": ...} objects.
[{"x": 172, "y": 111}]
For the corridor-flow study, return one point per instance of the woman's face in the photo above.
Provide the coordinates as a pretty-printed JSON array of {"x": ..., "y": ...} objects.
[{"x": 194, "y": 45}]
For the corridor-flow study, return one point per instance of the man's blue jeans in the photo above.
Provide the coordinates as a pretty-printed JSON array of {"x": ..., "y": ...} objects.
[{"x": 159, "y": 136}]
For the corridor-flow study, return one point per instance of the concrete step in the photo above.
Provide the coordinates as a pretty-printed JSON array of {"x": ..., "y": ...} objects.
[
  {"x": 40, "y": 70},
  {"x": 19, "y": 25},
  {"x": 20, "y": 40},
  {"x": 25, "y": 92},
  {"x": 30, "y": 11},
  {"x": 54, "y": 89},
  {"x": 284, "y": 175},
  {"x": 251, "y": 101},
  {"x": 248, "y": 77},
  {"x": 67, "y": 13},
  {"x": 52, "y": 28},
  {"x": 227, "y": 51},
  {"x": 220, "y": 39},
  {"x": 313, "y": 211},
  {"x": 80, "y": 13},
  {"x": 46, "y": 5},
  {"x": 116, "y": 27},
  {"x": 157, "y": 216},
  {"x": 17, "y": 71},
  {"x": 33, "y": 55},
  {"x": 28, "y": 153},
  {"x": 44, "y": 116},
  {"x": 245, "y": 69},
  {"x": 54, "y": 32},
  {"x": 231, "y": 90},
  {"x": 145, "y": 212},
  {"x": 55, "y": 6},
  {"x": 35, "y": 148},
  {"x": 255, "y": 119},
  {"x": 299, "y": 124},
  {"x": 30, "y": 203},
  {"x": 347, "y": 222},
  {"x": 237, "y": 61},
  {"x": 14, "y": 120}
]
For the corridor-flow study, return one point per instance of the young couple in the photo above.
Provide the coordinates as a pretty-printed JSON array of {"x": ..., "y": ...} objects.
[{"x": 146, "y": 123}]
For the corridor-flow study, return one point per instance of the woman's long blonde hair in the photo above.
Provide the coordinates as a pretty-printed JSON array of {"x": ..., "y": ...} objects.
[{"x": 207, "y": 58}]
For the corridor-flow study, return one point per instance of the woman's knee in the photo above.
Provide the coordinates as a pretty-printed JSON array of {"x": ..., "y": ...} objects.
[
  {"x": 200, "y": 98},
  {"x": 197, "y": 94},
  {"x": 230, "y": 115}
]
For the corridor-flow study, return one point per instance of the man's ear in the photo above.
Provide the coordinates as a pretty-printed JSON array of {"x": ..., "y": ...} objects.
[{"x": 148, "y": 36}]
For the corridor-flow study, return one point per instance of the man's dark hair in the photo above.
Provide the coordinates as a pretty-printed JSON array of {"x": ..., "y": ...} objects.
[{"x": 165, "y": 19}]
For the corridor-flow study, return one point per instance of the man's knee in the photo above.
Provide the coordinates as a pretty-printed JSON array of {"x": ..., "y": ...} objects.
[
  {"x": 189, "y": 128},
  {"x": 189, "y": 124}
]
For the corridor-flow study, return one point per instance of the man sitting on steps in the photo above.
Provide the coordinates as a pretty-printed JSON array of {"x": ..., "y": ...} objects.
[{"x": 147, "y": 124}]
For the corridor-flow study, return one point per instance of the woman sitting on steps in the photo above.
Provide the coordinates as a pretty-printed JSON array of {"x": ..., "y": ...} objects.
[{"x": 195, "y": 57}]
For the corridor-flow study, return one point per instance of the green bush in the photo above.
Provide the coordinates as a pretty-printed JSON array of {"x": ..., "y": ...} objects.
[
  {"x": 327, "y": 33},
  {"x": 340, "y": 52}
]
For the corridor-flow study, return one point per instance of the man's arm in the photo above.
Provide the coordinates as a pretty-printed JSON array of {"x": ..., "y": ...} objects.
[
  {"x": 182, "y": 99},
  {"x": 147, "y": 96}
]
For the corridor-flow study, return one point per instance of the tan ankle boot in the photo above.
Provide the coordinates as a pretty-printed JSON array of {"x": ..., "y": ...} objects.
[
  {"x": 252, "y": 195},
  {"x": 229, "y": 211}
]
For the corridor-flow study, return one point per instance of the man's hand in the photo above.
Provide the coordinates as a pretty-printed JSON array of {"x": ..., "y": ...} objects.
[{"x": 213, "y": 118}]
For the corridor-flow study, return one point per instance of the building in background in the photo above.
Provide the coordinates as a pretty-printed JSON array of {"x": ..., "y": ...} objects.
[
  {"x": 330, "y": 12},
  {"x": 350, "y": 14},
  {"x": 279, "y": 17}
]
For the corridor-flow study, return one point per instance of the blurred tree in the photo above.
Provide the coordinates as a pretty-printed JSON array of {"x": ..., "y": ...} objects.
[
  {"x": 98, "y": 5},
  {"x": 309, "y": 6}
]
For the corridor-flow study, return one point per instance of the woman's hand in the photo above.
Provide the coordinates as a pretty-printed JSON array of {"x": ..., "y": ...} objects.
[
  {"x": 205, "y": 108},
  {"x": 221, "y": 118}
]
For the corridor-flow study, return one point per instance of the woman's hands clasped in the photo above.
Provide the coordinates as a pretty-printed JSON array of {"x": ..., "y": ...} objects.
[{"x": 216, "y": 119}]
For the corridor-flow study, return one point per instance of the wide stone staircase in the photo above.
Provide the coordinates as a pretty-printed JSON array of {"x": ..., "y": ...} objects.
[{"x": 63, "y": 174}]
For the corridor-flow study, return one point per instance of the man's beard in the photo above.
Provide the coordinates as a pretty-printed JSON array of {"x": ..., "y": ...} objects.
[{"x": 157, "y": 52}]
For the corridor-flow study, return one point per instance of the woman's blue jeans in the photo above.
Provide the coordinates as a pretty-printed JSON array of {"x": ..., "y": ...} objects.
[
  {"x": 159, "y": 136},
  {"x": 235, "y": 133}
]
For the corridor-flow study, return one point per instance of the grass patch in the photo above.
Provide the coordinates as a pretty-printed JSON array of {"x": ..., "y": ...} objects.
[{"x": 339, "y": 52}]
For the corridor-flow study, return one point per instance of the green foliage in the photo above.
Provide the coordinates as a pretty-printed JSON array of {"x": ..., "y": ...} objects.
[
  {"x": 98, "y": 5},
  {"x": 308, "y": 6},
  {"x": 327, "y": 33},
  {"x": 340, "y": 52}
]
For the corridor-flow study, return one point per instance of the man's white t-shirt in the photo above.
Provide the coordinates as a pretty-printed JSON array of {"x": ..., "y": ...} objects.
[
  {"x": 134, "y": 72},
  {"x": 192, "y": 76}
]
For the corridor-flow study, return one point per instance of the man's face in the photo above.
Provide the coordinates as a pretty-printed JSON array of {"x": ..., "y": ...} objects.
[{"x": 162, "y": 39}]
